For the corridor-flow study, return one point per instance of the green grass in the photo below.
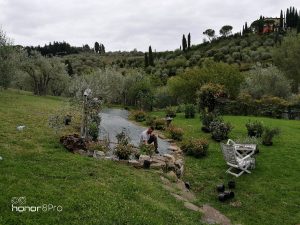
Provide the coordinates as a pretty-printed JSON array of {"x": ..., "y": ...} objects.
[
  {"x": 36, "y": 166},
  {"x": 270, "y": 195}
]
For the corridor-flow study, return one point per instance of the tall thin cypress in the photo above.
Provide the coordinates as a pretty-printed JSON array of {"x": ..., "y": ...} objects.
[
  {"x": 189, "y": 41},
  {"x": 184, "y": 44},
  {"x": 281, "y": 20},
  {"x": 151, "y": 59},
  {"x": 146, "y": 60},
  {"x": 298, "y": 25}
]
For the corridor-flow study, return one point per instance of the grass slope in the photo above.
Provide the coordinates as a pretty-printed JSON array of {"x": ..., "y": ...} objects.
[
  {"x": 36, "y": 166},
  {"x": 270, "y": 195}
]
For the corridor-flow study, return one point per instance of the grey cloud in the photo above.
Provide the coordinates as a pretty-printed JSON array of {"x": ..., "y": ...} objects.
[{"x": 127, "y": 24}]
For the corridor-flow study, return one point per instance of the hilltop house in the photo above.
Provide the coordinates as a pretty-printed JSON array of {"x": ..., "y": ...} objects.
[{"x": 271, "y": 25}]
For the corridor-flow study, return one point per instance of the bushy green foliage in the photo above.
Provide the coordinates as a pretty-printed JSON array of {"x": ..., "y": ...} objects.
[
  {"x": 147, "y": 149},
  {"x": 159, "y": 124},
  {"x": 255, "y": 128},
  {"x": 266, "y": 81},
  {"x": 93, "y": 131},
  {"x": 170, "y": 111},
  {"x": 175, "y": 133},
  {"x": 220, "y": 130},
  {"x": 207, "y": 118},
  {"x": 195, "y": 147},
  {"x": 268, "y": 135},
  {"x": 286, "y": 57},
  {"x": 209, "y": 94},
  {"x": 123, "y": 151},
  {"x": 189, "y": 111},
  {"x": 139, "y": 115}
]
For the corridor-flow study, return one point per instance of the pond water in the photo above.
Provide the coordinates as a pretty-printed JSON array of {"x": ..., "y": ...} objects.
[{"x": 113, "y": 121}]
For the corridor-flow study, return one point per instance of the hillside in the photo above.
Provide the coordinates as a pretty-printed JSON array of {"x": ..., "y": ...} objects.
[{"x": 37, "y": 167}]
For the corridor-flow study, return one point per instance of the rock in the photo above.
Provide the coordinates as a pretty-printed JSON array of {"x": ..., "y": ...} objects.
[
  {"x": 158, "y": 159},
  {"x": 1, "y": 158},
  {"x": 172, "y": 176},
  {"x": 179, "y": 197},
  {"x": 173, "y": 148},
  {"x": 211, "y": 215},
  {"x": 191, "y": 206},
  {"x": 98, "y": 154},
  {"x": 81, "y": 152},
  {"x": 161, "y": 136},
  {"x": 90, "y": 153},
  {"x": 171, "y": 166},
  {"x": 134, "y": 163},
  {"x": 170, "y": 158},
  {"x": 178, "y": 163},
  {"x": 158, "y": 165},
  {"x": 142, "y": 158},
  {"x": 108, "y": 158},
  {"x": 179, "y": 171}
]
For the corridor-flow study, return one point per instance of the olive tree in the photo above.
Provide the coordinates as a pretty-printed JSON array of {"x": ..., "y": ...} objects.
[
  {"x": 266, "y": 81},
  {"x": 42, "y": 71}
]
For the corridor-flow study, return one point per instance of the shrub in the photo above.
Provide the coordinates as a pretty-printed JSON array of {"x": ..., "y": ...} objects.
[
  {"x": 207, "y": 118},
  {"x": 209, "y": 94},
  {"x": 175, "y": 133},
  {"x": 268, "y": 135},
  {"x": 255, "y": 129},
  {"x": 150, "y": 120},
  {"x": 160, "y": 124},
  {"x": 180, "y": 108},
  {"x": 97, "y": 146},
  {"x": 123, "y": 151},
  {"x": 190, "y": 111},
  {"x": 171, "y": 112},
  {"x": 220, "y": 130},
  {"x": 93, "y": 130},
  {"x": 195, "y": 147},
  {"x": 139, "y": 116},
  {"x": 123, "y": 138},
  {"x": 147, "y": 149},
  {"x": 272, "y": 106}
]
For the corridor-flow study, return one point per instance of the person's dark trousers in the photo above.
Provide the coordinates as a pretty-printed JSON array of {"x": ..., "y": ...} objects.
[{"x": 153, "y": 139}]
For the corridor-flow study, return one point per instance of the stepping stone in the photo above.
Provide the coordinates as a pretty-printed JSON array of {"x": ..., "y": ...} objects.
[
  {"x": 213, "y": 216},
  {"x": 191, "y": 206}
]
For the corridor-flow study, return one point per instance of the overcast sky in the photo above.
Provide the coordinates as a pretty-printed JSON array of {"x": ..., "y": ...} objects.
[{"x": 127, "y": 24}]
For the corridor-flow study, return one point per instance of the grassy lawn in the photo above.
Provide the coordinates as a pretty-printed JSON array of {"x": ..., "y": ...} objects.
[
  {"x": 36, "y": 166},
  {"x": 270, "y": 195}
]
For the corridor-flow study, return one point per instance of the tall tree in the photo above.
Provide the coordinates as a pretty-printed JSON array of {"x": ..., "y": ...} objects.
[
  {"x": 151, "y": 58},
  {"x": 210, "y": 33},
  {"x": 146, "y": 60},
  {"x": 281, "y": 20},
  {"x": 184, "y": 43},
  {"x": 298, "y": 25},
  {"x": 97, "y": 47},
  {"x": 189, "y": 41},
  {"x": 286, "y": 57},
  {"x": 226, "y": 30}
]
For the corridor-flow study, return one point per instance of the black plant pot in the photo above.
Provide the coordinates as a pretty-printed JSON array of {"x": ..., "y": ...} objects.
[
  {"x": 267, "y": 143},
  {"x": 146, "y": 164},
  {"x": 229, "y": 194},
  {"x": 205, "y": 129},
  {"x": 231, "y": 184},
  {"x": 222, "y": 197},
  {"x": 220, "y": 187}
]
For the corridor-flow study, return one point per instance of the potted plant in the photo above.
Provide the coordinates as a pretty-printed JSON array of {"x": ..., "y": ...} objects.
[
  {"x": 255, "y": 129},
  {"x": 268, "y": 135},
  {"x": 220, "y": 130}
]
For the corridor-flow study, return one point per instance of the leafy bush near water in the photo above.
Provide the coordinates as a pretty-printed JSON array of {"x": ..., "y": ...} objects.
[
  {"x": 175, "y": 133},
  {"x": 195, "y": 147}
]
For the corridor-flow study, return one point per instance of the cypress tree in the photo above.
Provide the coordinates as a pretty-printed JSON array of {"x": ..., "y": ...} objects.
[
  {"x": 97, "y": 47},
  {"x": 298, "y": 25},
  {"x": 287, "y": 16},
  {"x": 184, "y": 43},
  {"x": 281, "y": 20},
  {"x": 146, "y": 60},
  {"x": 151, "y": 59},
  {"x": 189, "y": 41}
]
